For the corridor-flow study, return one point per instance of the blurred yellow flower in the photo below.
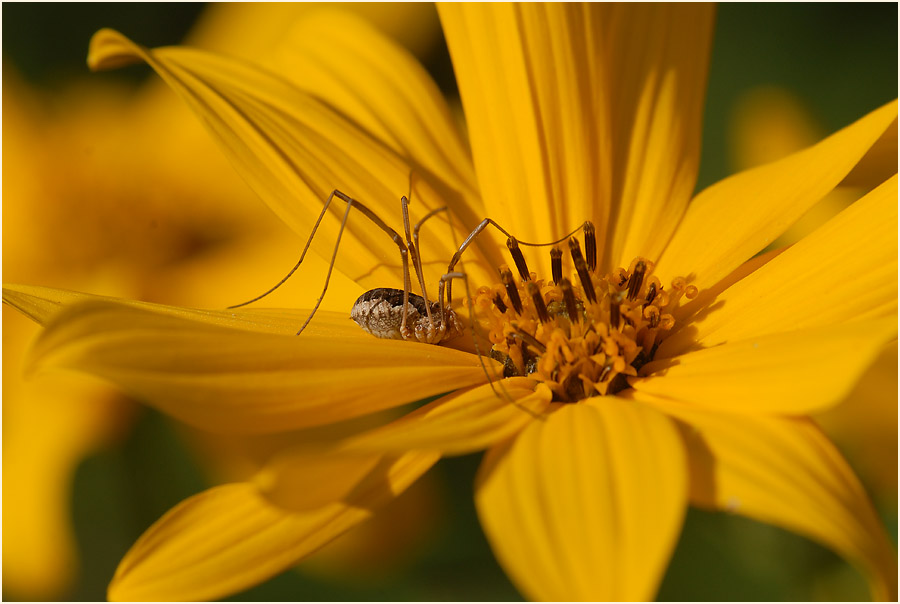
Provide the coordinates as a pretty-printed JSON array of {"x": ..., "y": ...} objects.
[{"x": 684, "y": 378}]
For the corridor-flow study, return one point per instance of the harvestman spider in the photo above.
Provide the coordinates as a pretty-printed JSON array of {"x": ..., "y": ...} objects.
[{"x": 400, "y": 314}]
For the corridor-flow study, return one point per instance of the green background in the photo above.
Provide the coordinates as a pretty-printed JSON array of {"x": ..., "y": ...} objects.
[{"x": 840, "y": 59}]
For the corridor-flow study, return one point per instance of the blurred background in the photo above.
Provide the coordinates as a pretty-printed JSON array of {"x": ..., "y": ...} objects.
[{"x": 86, "y": 471}]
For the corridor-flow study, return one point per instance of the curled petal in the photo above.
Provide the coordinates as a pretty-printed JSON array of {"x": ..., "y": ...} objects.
[{"x": 294, "y": 149}]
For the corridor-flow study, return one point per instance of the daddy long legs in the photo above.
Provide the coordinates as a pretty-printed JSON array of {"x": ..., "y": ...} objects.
[{"x": 400, "y": 314}]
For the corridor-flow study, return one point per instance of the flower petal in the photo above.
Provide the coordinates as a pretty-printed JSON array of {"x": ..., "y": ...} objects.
[
  {"x": 844, "y": 271},
  {"x": 230, "y": 538},
  {"x": 373, "y": 80},
  {"x": 734, "y": 219},
  {"x": 789, "y": 373},
  {"x": 587, "y": 504},
  {"x": 463, "y": 422},
  {"x": 235, "y": 380},
  {"x": 41, "y": 304},
  {"x": 532, "y": 89},
  {"x": 785, "y": 472},
  {"x": 658, "y": 57},
  {"x": 309, "y": 475},
  {"x": 293, "y": 149}
]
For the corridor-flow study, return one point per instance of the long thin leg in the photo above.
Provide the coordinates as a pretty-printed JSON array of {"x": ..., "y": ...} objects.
[
  {"x": 371, "y": 216},
  {"x": 417, "y": 263},
  {"x": 302, "y": 255}
]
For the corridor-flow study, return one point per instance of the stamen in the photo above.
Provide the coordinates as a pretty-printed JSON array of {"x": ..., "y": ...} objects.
[
  {"x": 590, "y": 245},
  {"x": 636, "y": 280},
  {"x": 569, "y": 297},
  {"x": 529, "y": 339},
  {"x": 556, "y": 264},
  {"x": 509, "y": 283},
  {"x": 535, "y": 292},
  {"x": 519, "y": 258},
  {"x": 611, "y": 332},
  {"x": 651, "y": 293},
  {"x": 582, "y": 270},
  {"x": 498, "y": 302},
  {"x": 614, "y": 315}
]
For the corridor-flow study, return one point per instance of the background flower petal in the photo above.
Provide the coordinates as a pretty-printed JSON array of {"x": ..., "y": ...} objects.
[
  {"x": 532, "y": 86},
  {"x": 845, "y": 271},
  {"x": 230, "y": 538},
  {"x": 735, "y": 218},
  {"x": 877, "y": 164},
  {"x": 240, "y": 381},
  {"x": 658, "y": 59},
  {"x": 785, "y": 472},
  {"x": 587, "y": 504},
  {"x": 294, "y": 149},
  {"x": 789, "y": 373}
]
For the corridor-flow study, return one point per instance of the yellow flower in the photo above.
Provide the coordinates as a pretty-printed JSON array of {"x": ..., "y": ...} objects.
[{"x": 624, "y": 412}]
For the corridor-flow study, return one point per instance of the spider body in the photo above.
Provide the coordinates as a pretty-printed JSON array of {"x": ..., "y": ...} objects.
[{"x": 380, "y": 312}]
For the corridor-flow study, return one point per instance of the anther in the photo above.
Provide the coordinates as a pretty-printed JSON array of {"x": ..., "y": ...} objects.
[
  {"x": 498, "y": 302},
  {"x": 519, "y": 258},
  {"x": 569, "y": 297},
  {"x": 582, "y": 270},
  {"x": 510, "y": 284},
  {"x": 529, "y": 339},
  {"x": 556, "y": 264},
  {"x": 590, "y": 245},
  {"x": 636, "y": 280},
  {"x": 614, "y": 315},
  {"x": 651, "y": 294},
  {"x": 535, "y": 292}
]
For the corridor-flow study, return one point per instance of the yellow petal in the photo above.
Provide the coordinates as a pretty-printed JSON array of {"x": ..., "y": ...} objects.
[
  {"x": 845, "y": 271},
  {"x": 658, "y": 57},
  {"x": 41, "y": 304},
  {"x": 235, "y": 380},
  {"x": 230, "y": 538},
  {"x": 373, "y": 80},
  {"x": 788, "y": 373},
  {"x": 734, "y": 219},
  {"x": 531, "y": 84},
  {"x": 461, "y": 423},
  {"x": 785, "y": 472},
  {"x": 293, "y": 149},
  {"x": 309, "y": 475},
  {"x": 588, "y": 504}
]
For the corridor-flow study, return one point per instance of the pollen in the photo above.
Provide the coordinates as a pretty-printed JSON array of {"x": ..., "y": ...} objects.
[{"x": 582, "y": 335}]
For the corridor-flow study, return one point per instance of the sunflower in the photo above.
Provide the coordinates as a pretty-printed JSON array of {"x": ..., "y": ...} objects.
[{"x": 663, "y": 365}]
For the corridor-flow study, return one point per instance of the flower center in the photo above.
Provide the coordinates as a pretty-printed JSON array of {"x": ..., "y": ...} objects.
[{"x": 581, "y": 336}]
